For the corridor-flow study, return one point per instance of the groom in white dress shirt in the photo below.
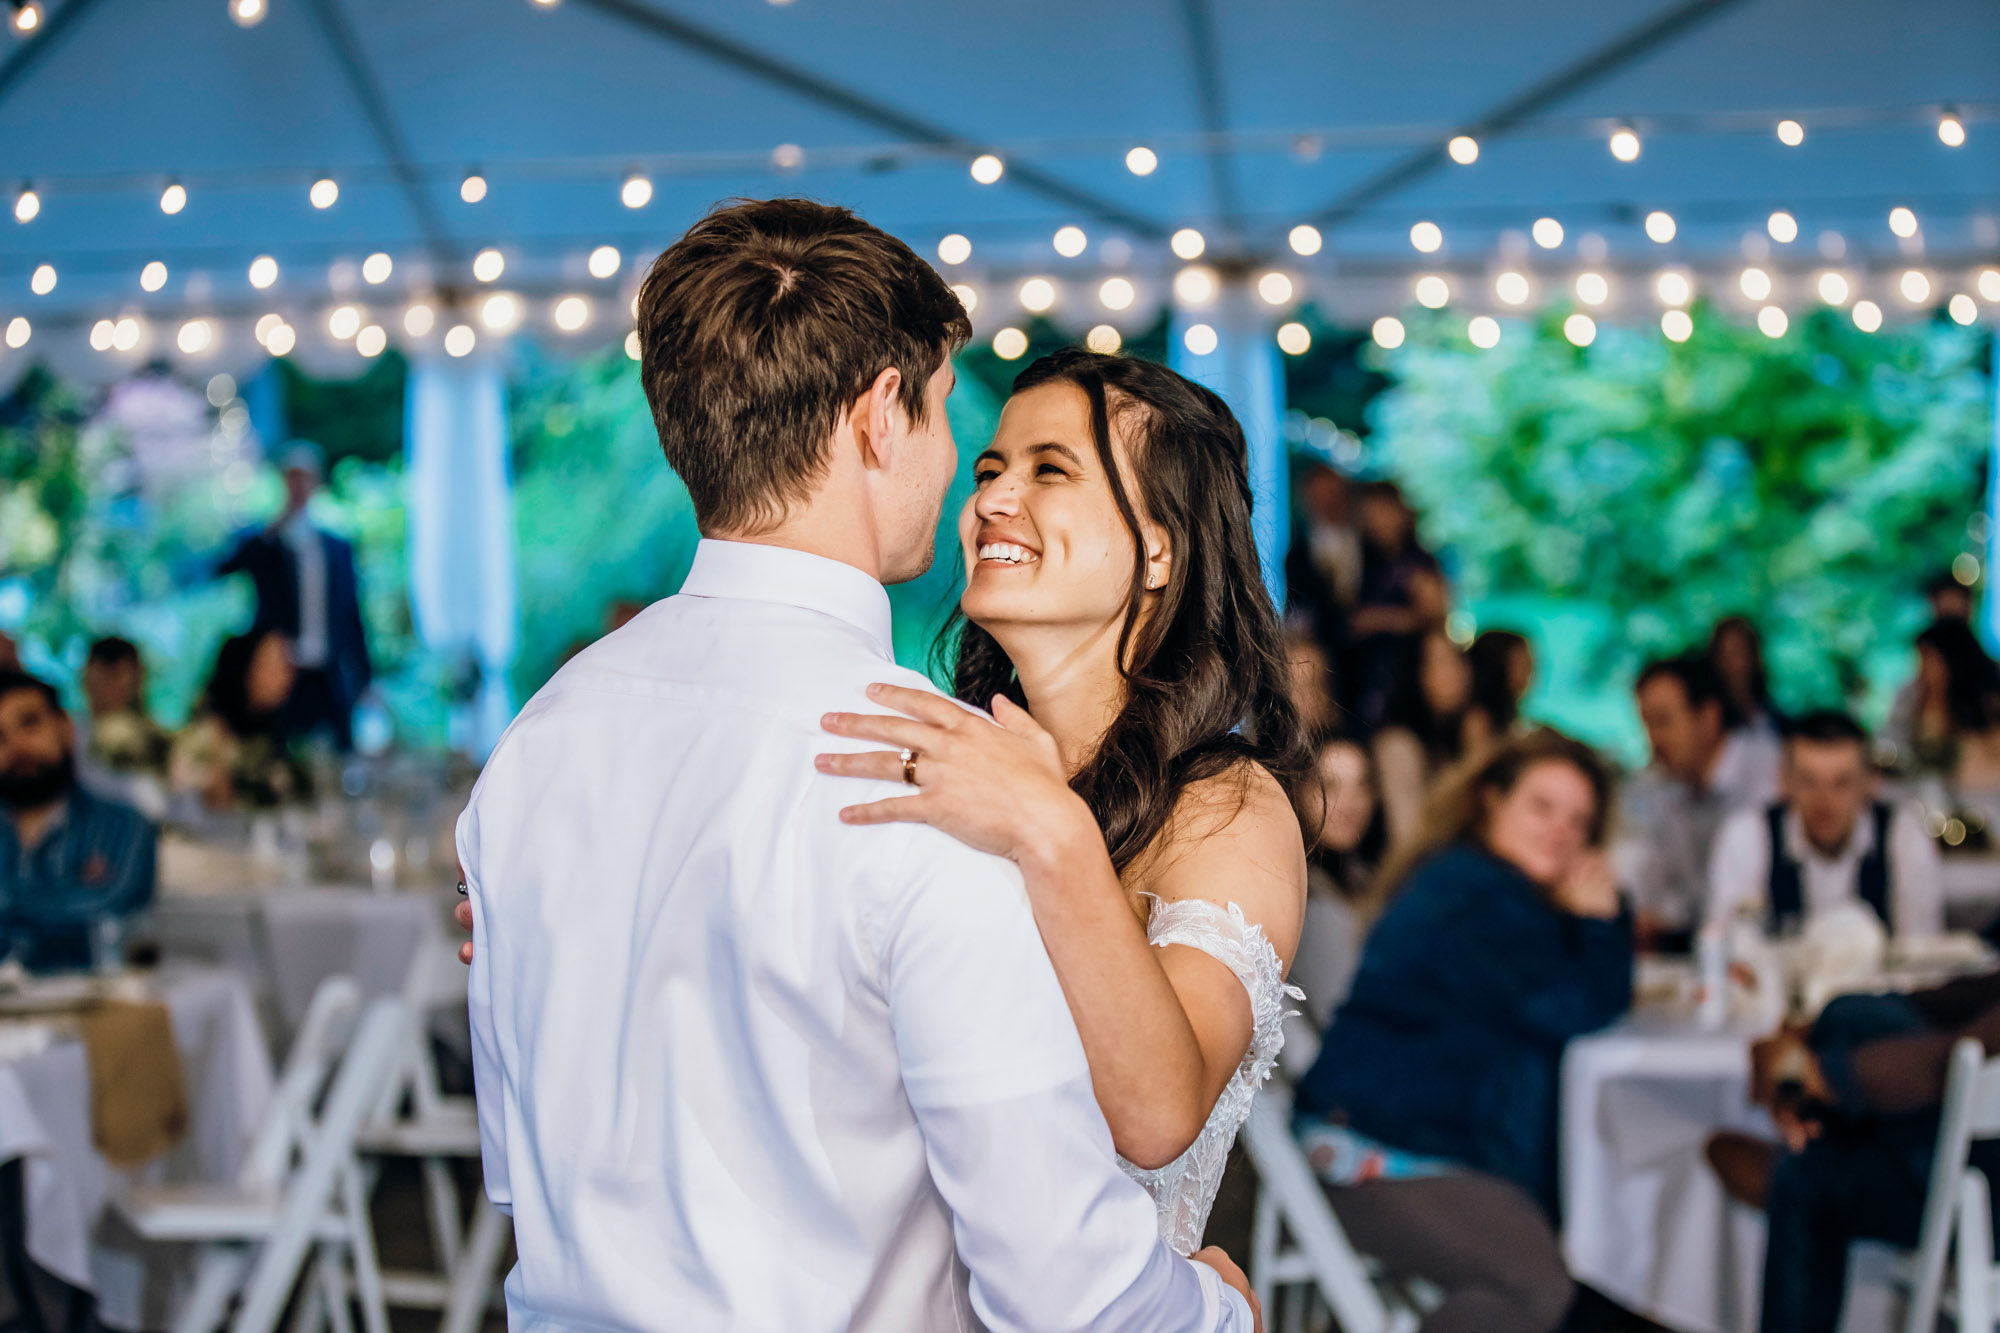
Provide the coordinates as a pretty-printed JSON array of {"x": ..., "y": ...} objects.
[{"x": 740, "y": 1065}]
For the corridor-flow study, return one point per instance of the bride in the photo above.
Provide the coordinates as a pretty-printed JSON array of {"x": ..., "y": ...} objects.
[{"x": 1117, "y": 624}]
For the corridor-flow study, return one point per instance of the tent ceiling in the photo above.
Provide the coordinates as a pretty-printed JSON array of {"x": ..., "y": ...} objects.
[{"x": 1264, "y": 113}]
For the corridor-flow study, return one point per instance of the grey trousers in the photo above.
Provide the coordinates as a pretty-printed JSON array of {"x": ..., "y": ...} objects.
[{"x": 1483, "y": 1241}]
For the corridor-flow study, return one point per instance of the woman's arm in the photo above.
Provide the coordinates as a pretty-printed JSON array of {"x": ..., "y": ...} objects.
[
  {"x": 1401, "y": 771},
  {"x": 1163, "y": 1029}
]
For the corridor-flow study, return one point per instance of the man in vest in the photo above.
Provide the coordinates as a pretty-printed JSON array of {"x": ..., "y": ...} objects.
[{"x": 1830, "y": 840}]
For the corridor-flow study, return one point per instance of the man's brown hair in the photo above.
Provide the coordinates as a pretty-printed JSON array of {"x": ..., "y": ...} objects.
[{"x": 760, "y": 327}]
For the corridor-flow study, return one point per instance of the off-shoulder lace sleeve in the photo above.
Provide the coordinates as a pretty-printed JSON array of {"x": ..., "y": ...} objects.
[{"x": 1184, "y": 1189}]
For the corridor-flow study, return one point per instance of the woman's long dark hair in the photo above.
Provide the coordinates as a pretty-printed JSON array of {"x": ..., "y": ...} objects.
[
  {"x": 1972, "y": 688},
  {"x": 1734, "y": 712},
  {"x": 228, "y": 694},
  {"x": 1205, "y": 674},
  {"x": 1491, "y": 657}
]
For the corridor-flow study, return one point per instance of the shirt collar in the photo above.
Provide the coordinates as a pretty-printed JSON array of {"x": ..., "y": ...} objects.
[
  {"x": 752, "y": 572},
  {"x": 1859, "y": 843}
]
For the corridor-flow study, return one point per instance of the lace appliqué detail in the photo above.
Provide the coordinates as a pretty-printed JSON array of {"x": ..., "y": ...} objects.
[{"x": 1184, "y": 1189}]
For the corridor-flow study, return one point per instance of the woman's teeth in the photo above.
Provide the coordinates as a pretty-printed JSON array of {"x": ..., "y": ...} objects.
[{"x": 1007, "y": 553}]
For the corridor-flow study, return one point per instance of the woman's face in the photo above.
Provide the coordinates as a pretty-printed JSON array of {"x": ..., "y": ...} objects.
[
  {"x": 1444, "y": 675},
  {"x": 1348, "y": 790},
  {"x": 1521, "y": 670},
  {"x": 1734, "y": 660},
  {"x": 1933, "y": 676},
  {"x": 1542, "y": 824},
  {"x": 1044, "y": 543},
  {"x": 271, "y": 674}
]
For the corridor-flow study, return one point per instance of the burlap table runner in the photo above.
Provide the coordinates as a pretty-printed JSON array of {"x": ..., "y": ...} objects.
[{"x": 138, "y": 1093}]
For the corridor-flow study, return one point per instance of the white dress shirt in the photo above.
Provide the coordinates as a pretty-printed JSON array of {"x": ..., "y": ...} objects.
[
  {"x": 308, "y": 547},
  {"x": 743, "y": 1066},
  {"x": 1669, "y": 828},
  {"x": 1739, "y": 873}
]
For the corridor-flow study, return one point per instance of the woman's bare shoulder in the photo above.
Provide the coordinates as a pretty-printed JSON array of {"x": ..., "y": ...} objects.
[{"x": 1234, "y": 837}]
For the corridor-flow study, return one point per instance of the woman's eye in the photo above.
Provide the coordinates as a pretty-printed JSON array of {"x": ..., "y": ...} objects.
[
  {"x": 983, "y": 476},
  {"x": 1050, "y": 468}
]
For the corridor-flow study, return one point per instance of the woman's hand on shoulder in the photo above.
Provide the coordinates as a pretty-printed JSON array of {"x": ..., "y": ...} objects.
[{"x": 1000, "y": 788}]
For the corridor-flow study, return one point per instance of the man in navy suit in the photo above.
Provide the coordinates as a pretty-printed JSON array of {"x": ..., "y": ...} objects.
[{"x": 307, "y": 590}]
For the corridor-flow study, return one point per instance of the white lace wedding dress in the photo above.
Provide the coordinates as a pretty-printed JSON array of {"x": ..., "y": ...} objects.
[{"x": 1184, "y": 1189}]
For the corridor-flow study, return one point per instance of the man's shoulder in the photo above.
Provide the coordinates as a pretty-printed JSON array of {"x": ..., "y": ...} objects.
[{"x": 104, "y": 816}]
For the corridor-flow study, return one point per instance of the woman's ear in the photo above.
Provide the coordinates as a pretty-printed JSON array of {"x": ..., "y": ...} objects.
[{"x": 1159, "y": 556}]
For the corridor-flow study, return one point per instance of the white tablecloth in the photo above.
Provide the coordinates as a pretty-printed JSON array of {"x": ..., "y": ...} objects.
[
  {"x": 45, "y": 1116},
  {"x": 1644, "y": 1219}
]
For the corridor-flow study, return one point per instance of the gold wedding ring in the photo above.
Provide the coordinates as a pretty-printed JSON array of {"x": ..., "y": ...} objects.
[{"x": 910, "y": 767}]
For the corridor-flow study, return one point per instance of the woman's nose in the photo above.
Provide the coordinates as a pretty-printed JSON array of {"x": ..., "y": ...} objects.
[{"x": 997, "y": 497}]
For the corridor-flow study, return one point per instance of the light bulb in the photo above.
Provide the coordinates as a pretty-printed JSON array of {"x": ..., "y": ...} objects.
[
  {"x": 27, "y": 204},
  {"x": 1294, "y": 339},
  {"x": 100, "y": 335},
  {"x": 1963, "y": 309},
  {"x": 28, "y": 18},
  {"x": 1037, "y": 295},
  {"x": 419, "y": 320},
  {"x": 604, "y": 261},
  {"x": 265, "y": 323},
  {"x": 19, "y": 331},
  {"x": 473, "y": 188},
  {"x": 1010, "y": 344},
  {"x": 1592, "y": 289},
  {"x": 1187, "y": 243},
  {"x": 1200, "y": 339},
  {"x": 572, "y": 313},
  {"x": 1464, "y": 149},
  {"x": 1388, "y": 332},
  {"x": 325, "y": 191},
  {"x": 1678, "y": 325},
  {"x": 1791, "y": 134},
  {"x": 1754, "y": 283},
  {"x": 954, "y": 249},
  {"x": 1673, "y": 288},
  {"x": 1548, "y": 233},
  {"x": 173, "y": 199},
  {"x": 1427, "y": 237},
  {"x": 1903, "y": 222},
  {"x": 460, "y": 340},
  {"x": 1142, "y": 161},
  {"x": 986, "y": 169},
  {"x": 1833, "y": 288},
  {"x": 1511, "y": 288},
  {"x": 1483, "y": 331},
  {"x": 372, "y": 341},
  {"x": 281, "y": 340},
  {"x": 343, "y": 322},
  {"x": 1772, "y": 322},
  {"x": 375, "y": 269},
  {"x": 43, "y": 280},
  {"x": 1867, "y": 316},
  {"x": 1624, "y": 147},
  {"x": 1103, "y": 339},
  {"x": 1660, "y": 226},
  {"x": 968, "y": 296},
  {"x": 248, "y": 13},
  {"x": 1433, "y": 291},
  {"x": 263, "y": 272},
  {"x": 1989, "y": 284},
  {"x": 1194, "y": 285},
  {"x": 632, "y": 344},
  {"x": 636, "y": 192},
  {"x": 1070, "y": 242},
  {"x": 500, "y": 311},
  {"x": 194, "y": 337},
  {"x": 1784, "y": 228},
  {"x": 127, "y": 334},
  {"x": 1580, "y": 329},
  {"x": 153, "y": 276},
  {"x": 1951, "y": 130},
  {"x": 488, "y": 265},
  {"x": 1117, "y": 294},
  {"x": 1306, "y": 239},
  {"x": 1916, "y": 288},
  {"x": 1274, "y": 288}
]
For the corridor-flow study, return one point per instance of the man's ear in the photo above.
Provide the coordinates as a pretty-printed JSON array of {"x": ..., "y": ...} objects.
[{"x": 877, "y": 419}]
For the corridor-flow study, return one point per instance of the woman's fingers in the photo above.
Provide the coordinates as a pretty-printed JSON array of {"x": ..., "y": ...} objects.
[
  {"x": 897, "y": 810},
  {"x": 901, "y": 732},
  {"x": 1012, "y": 717},
  {"x": 881, "y": 765},
  {"x": 939, "y": 712}
]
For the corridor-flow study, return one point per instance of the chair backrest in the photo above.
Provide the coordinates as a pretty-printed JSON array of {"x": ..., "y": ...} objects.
[
  {"x": 1282, "y": 1168},
  {"x": 1971, "y": 1111},
  {"x": 323, "y": 1033},
  {"x": 370, "y": 1061},
  {"x": 436, "y": 980}
]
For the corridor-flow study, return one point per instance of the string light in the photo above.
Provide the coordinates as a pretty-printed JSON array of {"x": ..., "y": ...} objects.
[
  {"x": 101, "y": 334},
  {"x": 1754, "y": 283},
  {"x": 371, "y": 341},
  {"x": 194, "y": 337},
  {"x": 1010, "y": 344},
  {"x": 1103, "y": 339},
  {"x": 1916, "y": 288},
  {"x": 1142, "y": 161},
  {"x": 1580, "y": 330},
  {"x": 43, "y": 281},
  {"x": 1548, "y": 233},
  {"x": 1464, "y": 149},
  {"x": 489, "y": 264},
  {"x": 375, "y": 269},
  {"x": 127, "y": 334},
  {"x": 572, "y": 313},
  {"x": 343, "y": 322},
  {"x": 1678, "y": 325},
  {"x": 1673, "y": 288},
  {"x": 1187, "y": 243},
  {"x": 1274, "y": 288},
  {"x": 1483, "y": 331},
  {"x": 954, "y": 249},
  {"x": 967, "y": 297},
  {"x": 265, "y": 323},
  {"x": 1784, "y": 228},
  {"x": 1305, "y": 239},
  {"x": 500, "y": 311},
  {"x": 1388, "y": 333},
  {"x": 248, "y": 13},
  {"x": 1963, "y": 308},
  {"x": 1660, "y": 226},
  {"x": 1117, "y": 294},
  {"x": 1989, "y": 284},
  {"x": 1951, "y": 132},
  {"x": 1791, "y": 134},
  {"x": 1771, "y": 322},
  {"x": 1592, "y": 289},
  {"x": 1624, "y": 147},
  {"x": 174, "y": 198},
  {"x": 325, "y": 191},
  {"x": 282, "y": 340},
  {"x": 1195, "y": 286},
  {"x": 27, "y": 204},
  {"x": 1070, "y": 242},
  {"x": 786, "y": 157},
  {"x": 153, "y": 276},
  {"x": 1433, "y": 291},
  {"x": 1511, "y": 287},
  {"x": 636, "y": 192},
  {"x": 632, "y": 344},
  {"x": 28, "y": 18},
  {"x": 604, "y": 261},
  {"x": 1037, "y": 295},
  {"x": 1867, "y": 316},
  {"x": 1200, "y": 339},
  {"x": 473, "y": 188},
  {"x": 986, "y": 169},
  {"x": 19, "y": 331},
  {"x": 460, "y": 340},
  {"x": 419, "y": 319},
  {"x": 263, "y": 272},
  {"x": 1427, "y": 237},
  {"x": 1833, "y": 288},
  {"x": 1294, "y": 339},
  {"x": 1903, "y": 222}
]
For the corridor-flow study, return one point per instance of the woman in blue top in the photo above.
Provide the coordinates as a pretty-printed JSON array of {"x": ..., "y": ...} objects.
[{"x": 1431, "y": 1111}]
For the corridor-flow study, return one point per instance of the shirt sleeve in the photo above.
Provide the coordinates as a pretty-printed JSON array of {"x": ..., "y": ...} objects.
[
  {"x": 1916, "y": 878},
  {"x": 115, "y": 877},
  {"x": 488, "y": 1065},
  {"x": 1054, "y": 1234},
  {"x": 1739, "y": 867}
]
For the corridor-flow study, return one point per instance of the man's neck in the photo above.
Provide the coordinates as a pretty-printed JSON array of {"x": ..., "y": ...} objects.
[
  {"x": 815, "y": 532},
  {"x": 31, "y": 824},
  {"x": 1833, "y": 851},
  {"x": 1710, "y": 770}
]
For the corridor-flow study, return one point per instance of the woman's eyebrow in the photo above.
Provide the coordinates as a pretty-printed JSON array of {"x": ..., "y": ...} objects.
[{"x": 1051, "y": 447}]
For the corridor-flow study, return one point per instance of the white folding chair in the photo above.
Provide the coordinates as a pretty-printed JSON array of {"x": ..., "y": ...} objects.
[
  {"x": 299, "y": 1193},
  {"x": 1295, "y": 1239},
  {"x": 1959, "y": 1201},
  {"x": 415, "y": 1119}
]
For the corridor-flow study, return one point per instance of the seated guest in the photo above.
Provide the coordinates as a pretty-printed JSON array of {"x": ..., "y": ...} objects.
[
  {"x": 1856, "y": 1098},
  {"x": 1323, "y": 567},
  {"x": 1503, "y": 670},
  {"x": 122, "y": 736},
  {"x": 1401, "y": 594},
  {"x": 1736, "y": 651},
  {"x": 68, "y": 859},
  {"x": 1947, "y": 721},
  {"x": 1430, "y": 726},
  {"x": 1310, "y": 683},
  {"x": 1701, "y": 773},
  {"x": 1831, "y": 840},
  {"x": 1340, "y": 869},
  {"x": 234, "y": 754},
  {"x": 1430, "y": 1114}
]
